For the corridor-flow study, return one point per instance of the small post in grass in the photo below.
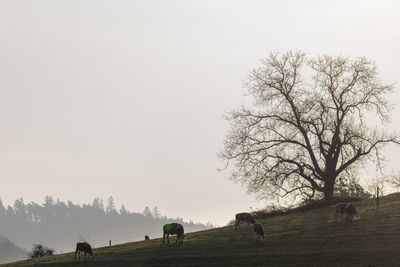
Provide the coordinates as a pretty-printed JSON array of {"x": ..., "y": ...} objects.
[
  {"x": 377, "y": 202},
  {"x": 377, "y": 196}
]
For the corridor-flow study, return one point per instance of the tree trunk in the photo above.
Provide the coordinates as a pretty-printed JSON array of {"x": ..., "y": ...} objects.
[{"x": 328, "y": 192}]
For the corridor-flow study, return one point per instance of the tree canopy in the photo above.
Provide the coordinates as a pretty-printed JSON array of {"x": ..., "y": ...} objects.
[{"x": 313, "y": 121}]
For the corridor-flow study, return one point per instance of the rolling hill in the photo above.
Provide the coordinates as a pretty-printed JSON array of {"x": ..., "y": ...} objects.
[
  {"x": 310, "y": 238},
  {"x": 10, "y": 251}
]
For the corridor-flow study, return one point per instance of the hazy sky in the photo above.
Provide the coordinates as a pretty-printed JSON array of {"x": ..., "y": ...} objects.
[{"x": 126, "y": 98}]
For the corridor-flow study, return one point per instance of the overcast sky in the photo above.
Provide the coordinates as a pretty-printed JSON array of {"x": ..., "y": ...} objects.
[{"x": 126, "y": 98}]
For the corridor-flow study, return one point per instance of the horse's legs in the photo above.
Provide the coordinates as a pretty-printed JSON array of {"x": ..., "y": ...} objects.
[
  {"x": 163, "y": 238},
  {"x": 76, "y": 251},
  {"x": 168, "y": 238}
]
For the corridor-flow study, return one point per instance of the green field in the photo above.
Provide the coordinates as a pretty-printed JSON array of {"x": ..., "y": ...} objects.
[{"x": 310, "y": 238}]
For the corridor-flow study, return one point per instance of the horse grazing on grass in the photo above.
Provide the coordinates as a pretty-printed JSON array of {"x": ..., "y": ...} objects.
[
  {"x": 85, "y": 247},
  {"x": 173, "y": 229},
  {"x": 348, "y": 209},
  {"x": 244, "y": 217},
  {"x": 259, "y": 232}
]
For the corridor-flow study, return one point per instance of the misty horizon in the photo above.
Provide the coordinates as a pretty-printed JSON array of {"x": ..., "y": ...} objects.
[
  {"x": 127, "y": 98},
  {"x": 120, "y": 117},
  {"x": 59, "y": 225}
]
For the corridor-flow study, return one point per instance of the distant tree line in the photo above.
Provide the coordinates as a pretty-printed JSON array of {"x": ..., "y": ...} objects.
[{"x": 60, "y": 225}]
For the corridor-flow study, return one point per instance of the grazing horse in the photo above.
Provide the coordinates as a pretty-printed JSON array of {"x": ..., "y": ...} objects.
[
  {"x": 146, "y": 237},
  {"x": 244, "y": 217},
  {"x": 259, "y": 232},
  {"x": 85, "y": 247},
  {"x": 346, "y": 208},
  {"x": 173, "y": 229}
]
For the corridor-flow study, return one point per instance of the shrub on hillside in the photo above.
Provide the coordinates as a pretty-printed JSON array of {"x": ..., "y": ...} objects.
[
  {"x": 38, "y": 250},
  {"x": 350, "y": 187}
]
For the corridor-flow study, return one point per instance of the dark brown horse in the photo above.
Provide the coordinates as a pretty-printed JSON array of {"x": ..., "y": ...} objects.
[
  {"x": 173, "y": 229},
  {"x": 85, "y": 247},
  {"x": 348, "y": 209}
]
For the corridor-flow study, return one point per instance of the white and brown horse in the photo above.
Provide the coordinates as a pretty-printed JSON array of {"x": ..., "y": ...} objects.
[
  {"x": 244, "y": 217},
  {"x": 346, "y": 208},
  {"x": 258, "y": 232}
]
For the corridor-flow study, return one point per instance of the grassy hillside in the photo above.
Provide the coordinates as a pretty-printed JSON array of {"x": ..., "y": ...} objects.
[{"x": 310, "y": 238}]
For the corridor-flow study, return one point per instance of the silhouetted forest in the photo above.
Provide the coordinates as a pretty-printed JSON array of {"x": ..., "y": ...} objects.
[{"x": 60, "y": 225}]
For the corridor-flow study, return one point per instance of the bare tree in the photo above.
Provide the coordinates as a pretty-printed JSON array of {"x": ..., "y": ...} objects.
[
  {"x": 302, "y": 134},
  {"x": 396, "y": 181}
]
